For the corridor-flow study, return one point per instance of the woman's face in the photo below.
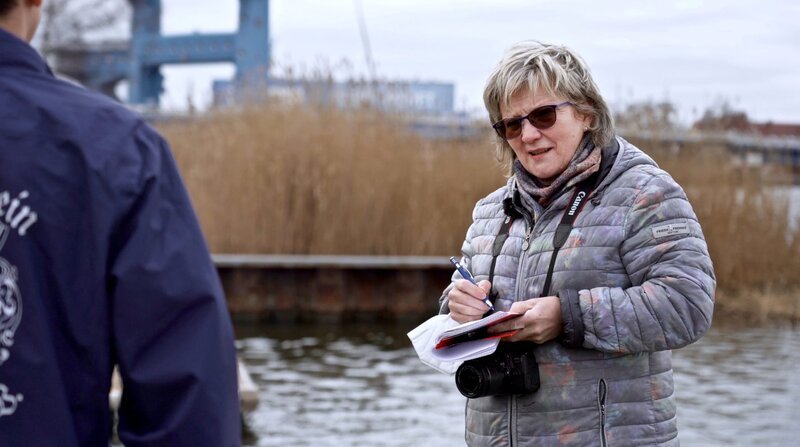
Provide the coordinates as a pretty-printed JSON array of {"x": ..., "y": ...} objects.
[{"x": 545, "y": 153}]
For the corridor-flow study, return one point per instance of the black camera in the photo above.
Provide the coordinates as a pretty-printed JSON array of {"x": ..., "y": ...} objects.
[{"x": 511, "y": 369}]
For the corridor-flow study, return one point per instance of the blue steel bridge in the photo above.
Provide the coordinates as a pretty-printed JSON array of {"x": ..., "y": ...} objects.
[{"x": 138, "y": 61}]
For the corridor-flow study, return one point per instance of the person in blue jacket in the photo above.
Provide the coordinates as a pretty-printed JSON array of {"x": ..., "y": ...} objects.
[{"x": 102, "y": 263}]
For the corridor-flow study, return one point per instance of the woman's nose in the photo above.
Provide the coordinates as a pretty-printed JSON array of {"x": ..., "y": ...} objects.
[{"x": 529, "y": 132}]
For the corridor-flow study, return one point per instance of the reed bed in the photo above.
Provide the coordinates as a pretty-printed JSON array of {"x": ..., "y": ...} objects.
[
  {"x": 290, "y": 179},
  {"x": 754, "y": 246},
  {"x": 294, "y": 180}
]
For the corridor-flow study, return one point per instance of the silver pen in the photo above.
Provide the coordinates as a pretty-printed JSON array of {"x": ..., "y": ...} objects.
[{"x": 468, "y": 276}]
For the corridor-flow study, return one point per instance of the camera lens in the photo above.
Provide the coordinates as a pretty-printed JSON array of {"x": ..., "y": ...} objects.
[
  {"x": 479, "y": 379},
  {"x": 511, "y": 369},
  {"x": 468, "y": 381}
]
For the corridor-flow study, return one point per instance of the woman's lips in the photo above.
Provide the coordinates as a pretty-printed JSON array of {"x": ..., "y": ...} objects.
[{"x": 538, "y": 152}]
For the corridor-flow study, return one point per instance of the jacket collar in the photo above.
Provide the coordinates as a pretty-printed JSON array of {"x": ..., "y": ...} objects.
[
  {"x": 513, "y": 204},
  {"x": 608, "y": 157},
  {"x": 15, "y": 53}
]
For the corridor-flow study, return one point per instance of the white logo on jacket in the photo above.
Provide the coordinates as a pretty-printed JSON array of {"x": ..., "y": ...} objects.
[
  {"x": 10, "y": 308},
  {"x": 14, "y": 217},
  {"x": 670, "y": 230}
]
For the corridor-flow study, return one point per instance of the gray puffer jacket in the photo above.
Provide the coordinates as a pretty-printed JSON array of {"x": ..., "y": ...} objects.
[{"x": 634, "y": 279}]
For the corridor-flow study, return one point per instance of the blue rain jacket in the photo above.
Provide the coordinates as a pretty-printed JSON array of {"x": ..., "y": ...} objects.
[{"x": 102, "y": 262}]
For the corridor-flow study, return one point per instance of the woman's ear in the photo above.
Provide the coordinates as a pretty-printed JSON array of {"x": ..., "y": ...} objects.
[{"x": 587, "y": 120}]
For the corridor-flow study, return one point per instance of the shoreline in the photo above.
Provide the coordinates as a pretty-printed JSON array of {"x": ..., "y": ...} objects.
[
  {"x": 295, "y": 289},
  {"x": 758, "y": 306}
]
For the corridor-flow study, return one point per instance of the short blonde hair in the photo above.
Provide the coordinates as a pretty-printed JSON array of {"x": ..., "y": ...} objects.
[{"x": 555, "y": 70}]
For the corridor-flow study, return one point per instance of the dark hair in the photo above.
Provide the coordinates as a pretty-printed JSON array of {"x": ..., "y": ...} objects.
[{"x": 6, "y": 6}]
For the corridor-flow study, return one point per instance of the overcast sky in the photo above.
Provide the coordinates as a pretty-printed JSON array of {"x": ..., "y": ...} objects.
[{"x": 693, "y": 53}]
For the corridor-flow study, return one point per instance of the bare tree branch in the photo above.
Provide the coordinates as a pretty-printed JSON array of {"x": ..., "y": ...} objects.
[{"x": 78, "y": 23}]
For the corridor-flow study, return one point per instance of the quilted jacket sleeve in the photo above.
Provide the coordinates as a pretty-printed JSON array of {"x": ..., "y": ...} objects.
[{"x": 665, "y": 255}]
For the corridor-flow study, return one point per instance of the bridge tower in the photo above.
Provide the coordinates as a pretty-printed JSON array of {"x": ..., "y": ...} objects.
[{"x": 140, "y": 60}]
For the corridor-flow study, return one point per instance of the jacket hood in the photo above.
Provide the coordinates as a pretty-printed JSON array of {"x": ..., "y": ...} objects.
[{"x": 625, "y": 157}]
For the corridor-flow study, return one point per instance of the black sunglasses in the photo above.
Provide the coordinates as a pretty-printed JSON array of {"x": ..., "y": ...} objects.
[{"x": 541, "y": 118}]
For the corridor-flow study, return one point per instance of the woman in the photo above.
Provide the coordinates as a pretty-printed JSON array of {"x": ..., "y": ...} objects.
[{"x": 632, "y": 280}]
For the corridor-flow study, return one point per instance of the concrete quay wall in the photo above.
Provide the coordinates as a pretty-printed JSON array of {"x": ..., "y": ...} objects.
[{"x": 337, "y": 289}]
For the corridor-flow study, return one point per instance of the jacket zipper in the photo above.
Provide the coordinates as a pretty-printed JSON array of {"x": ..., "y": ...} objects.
[
  {"x": 602, "y": 390},
  {"x": 528, "y": 233},
  {"x": 512, "y": 400},
  {"x": 512, "y": 423},
  {"x": 527, "y": 242},
  {"x": 602, "y": 400}
]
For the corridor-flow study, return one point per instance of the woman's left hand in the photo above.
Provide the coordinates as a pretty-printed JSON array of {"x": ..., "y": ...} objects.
[{"x": 541, "y": 321}]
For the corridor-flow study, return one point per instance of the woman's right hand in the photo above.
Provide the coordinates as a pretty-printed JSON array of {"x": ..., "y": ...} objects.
[{"x": 466, "y": 300}]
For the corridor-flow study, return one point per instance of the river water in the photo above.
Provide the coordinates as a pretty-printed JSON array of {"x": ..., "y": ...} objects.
[{"x": 363, "y": 385}]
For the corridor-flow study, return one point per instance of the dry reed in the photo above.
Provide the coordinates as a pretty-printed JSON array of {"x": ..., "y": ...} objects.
[
  {"x": 295, "y": 180},
  {"x": 292, "y": 179}
]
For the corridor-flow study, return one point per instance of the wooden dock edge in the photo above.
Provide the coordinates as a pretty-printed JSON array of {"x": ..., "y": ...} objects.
[{"x": 332, "y": 289}]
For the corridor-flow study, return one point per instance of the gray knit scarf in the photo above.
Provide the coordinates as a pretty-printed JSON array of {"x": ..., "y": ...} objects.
[{"x": 584, "y": 163}]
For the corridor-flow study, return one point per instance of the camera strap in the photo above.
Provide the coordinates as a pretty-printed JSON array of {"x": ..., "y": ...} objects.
[
  {"x": 582, "y": 191},
  {"x": 502, "y": 235},
  {"x": 564, "y": 228}
]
